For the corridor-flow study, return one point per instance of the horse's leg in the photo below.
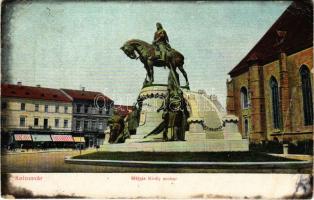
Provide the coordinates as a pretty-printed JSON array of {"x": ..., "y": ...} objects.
[
  {"x": 184, "y": 74},
  {"x": 152, "y": 73},
  {"x": 147, "y": 74},
  {"x": 177, "y": 76}
]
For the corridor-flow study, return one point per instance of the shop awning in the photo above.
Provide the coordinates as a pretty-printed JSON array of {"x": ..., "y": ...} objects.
[
  {"x": 41, "y": 138},
  {"x": 22, "y": 137},
  {"x": 79, "y": 139},
  {"x": 62, "y": 138}
]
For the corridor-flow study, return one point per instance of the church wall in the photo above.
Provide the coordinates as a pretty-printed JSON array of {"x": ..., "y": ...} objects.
[
  {"x": 235, "y": 102},
  {"x": 297, "y": 130},
  {"x": 294, "y": 63}
]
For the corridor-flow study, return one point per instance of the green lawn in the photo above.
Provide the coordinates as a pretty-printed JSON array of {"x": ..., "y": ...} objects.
[{"x": 184, "y": 156}]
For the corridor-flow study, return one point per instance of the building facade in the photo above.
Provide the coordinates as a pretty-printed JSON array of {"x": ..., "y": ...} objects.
[
  {"x": 34, "y": 114},
  {"x": 91, "y": 111},
  {"x": 271, "y": 89}
]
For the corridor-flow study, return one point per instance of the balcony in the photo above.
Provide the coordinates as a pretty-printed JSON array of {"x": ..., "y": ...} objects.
[{"x": 40, "y": 127}]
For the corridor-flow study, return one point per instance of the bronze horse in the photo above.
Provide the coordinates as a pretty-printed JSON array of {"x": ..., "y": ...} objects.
[{"x": 135, "y": 49}]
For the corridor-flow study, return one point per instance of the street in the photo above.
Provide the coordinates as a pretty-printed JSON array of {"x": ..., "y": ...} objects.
[{"x": 54, "y": 162}]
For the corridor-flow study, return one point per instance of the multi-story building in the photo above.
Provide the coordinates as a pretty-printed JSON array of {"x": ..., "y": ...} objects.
[
  {"x": 271, "y": 88},
  {"x": 34, "y": 114},
  {"x": 91, "y": 111}
]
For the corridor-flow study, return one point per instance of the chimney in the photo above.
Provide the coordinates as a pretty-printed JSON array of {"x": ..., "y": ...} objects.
[
  {"x": 38, "y": 85},
  {"x": 19, "y": 83},
  {"x": 83, "y": 88}
]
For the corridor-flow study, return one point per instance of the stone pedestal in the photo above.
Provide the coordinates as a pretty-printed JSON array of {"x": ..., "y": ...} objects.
[
  {"x": 206, "y": 131},
  {"x": 230, "y": 130},
  {"x": 152, "y": 98},
  {"x": 196, "y": 131}
]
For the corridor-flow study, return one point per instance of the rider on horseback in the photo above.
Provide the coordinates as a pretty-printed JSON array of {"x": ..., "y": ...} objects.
[{"x": 161, "y": 43}]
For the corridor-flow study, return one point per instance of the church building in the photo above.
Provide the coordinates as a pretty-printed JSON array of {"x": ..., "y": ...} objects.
[{"x": 271, "y": 89}]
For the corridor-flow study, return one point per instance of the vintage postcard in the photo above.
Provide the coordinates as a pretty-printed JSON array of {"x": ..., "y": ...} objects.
[{"x": 147, "y": 99}]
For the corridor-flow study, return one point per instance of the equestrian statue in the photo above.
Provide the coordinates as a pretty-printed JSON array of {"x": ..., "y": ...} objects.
[{"x": 158, "y": 54}]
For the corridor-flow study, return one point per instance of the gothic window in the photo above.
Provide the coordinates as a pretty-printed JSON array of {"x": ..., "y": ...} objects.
[
  {"x": 307, "y": 95},
  {"x": 244, "y": 98},
  {"x": 275, "y": 102}
]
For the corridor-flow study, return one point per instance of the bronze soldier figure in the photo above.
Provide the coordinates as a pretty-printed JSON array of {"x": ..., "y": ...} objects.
[
  {"x": 132, "y": 120},
  {"x": 174, "y": 111},
  {"x": 116, "y": 124}
]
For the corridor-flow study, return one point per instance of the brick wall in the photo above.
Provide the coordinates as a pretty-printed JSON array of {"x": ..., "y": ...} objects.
[{"x": 259, "y": 113}]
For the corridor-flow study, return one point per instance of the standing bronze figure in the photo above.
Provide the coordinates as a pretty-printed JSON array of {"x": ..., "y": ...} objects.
[{"x": 175, "y": 113}]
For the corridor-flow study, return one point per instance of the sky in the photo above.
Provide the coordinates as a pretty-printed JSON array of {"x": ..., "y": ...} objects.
[{"x": 77, "y": 44}]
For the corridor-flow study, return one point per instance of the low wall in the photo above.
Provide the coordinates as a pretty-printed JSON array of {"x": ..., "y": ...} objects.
[{"x": 213, "y": 145}]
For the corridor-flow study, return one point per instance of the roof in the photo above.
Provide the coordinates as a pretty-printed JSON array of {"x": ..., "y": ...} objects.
[
  {"x": 292, "y": 32},
  {"x": 123, "y": 110},
  {"x": 85, "y": 95},
  {"x": 29, "y": 92}
]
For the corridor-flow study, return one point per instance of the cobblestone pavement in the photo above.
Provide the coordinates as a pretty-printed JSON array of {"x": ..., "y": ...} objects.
[{"x": 54, "y": 162}]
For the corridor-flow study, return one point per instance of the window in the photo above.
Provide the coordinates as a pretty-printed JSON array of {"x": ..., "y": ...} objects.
[
  {"x": 46, "y": 108},
  {"x": 22, "y": 106},
  {"x": 307, "y": 95},
  {"x": 36, "y": 107},
  {"x": 100, "y": 125},
  {"x": 275, "y": 102},
  {"x": 78, "y": 108},
  {"x": 56, "y": 123},
  {"x": 244, "y": 98},
  {"x": 65, "y": 123},
  {"x": 93, "y": 125},
  {"x": 35, "y": 121},
  {"x": 57, "y": 108},
  {"x": 22, "y": 121},
  {"x": 65, "y": 109},
  {"x": 3, "y": 105},
  {"x": 45, "y": 123},
  {"x": 78, "y": 125},
  {"x": 85, "y": 125},
  {"x": 86, "y": 108},
  {"x": 3, "y": 121}
]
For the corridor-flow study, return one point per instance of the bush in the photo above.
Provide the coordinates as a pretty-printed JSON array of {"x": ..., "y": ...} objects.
[
  {"x": 267, "y": 147},
  {"x": 300, "y": 147}
]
